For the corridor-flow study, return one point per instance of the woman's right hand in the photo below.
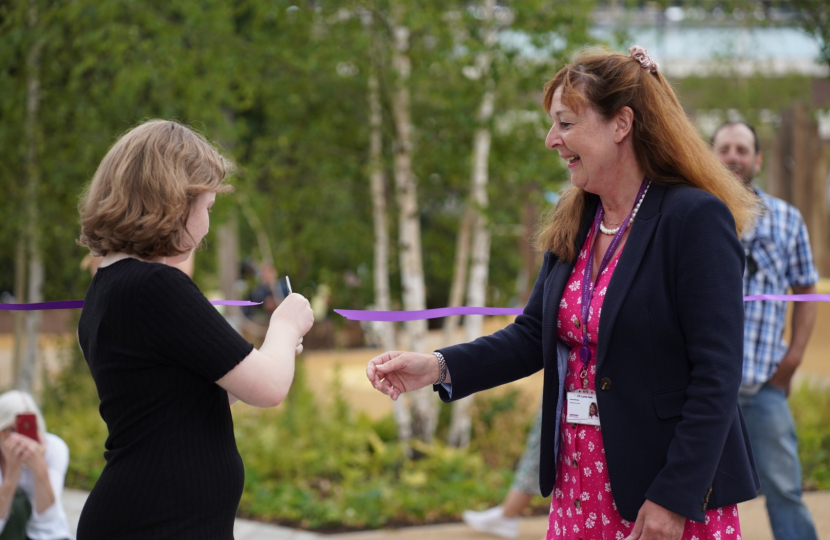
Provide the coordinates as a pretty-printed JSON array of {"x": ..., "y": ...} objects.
[
  {"x": 294, "y": 312},
  {"x": 396, "y": 372},
  {"x": 263, "y": 378},
  {"x": 16, "y": 450}
]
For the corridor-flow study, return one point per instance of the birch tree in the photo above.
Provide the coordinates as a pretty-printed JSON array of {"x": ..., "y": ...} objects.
[
  {"x": 20, "y": 296},
  {"x": 28, "y": 364},
  {"x": 459, "y": 276},
  {"x": 459, "y": 434},
  {"x": 403, "y": 418},
  {"x": 493, "y": 19},
  {"x": 425, "y": 407}
]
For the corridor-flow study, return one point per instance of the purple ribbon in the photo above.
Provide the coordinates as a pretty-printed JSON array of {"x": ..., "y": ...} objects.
[
  {"x": 78, "y": 304},
  {"x": 402, "y": 316},
  {"x": 66, "y": 304},
  {"x": 417, "y": 315}
]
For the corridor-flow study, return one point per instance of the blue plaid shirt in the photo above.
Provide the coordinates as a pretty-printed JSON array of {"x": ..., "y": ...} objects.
[{"x": 778, "y": 258}]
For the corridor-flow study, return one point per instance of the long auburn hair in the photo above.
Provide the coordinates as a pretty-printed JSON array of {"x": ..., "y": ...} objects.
[
  {"x": 666, "y": 144},
  {"x": 140, "y": 197}
]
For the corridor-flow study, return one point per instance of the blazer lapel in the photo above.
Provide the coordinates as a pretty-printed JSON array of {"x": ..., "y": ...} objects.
[
  {"x": 632, "y": 255},
  {"x": 555, "y": 287}
]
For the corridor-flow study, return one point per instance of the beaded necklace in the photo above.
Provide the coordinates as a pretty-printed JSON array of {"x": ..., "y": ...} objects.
[{"x": 605, "y": 230}]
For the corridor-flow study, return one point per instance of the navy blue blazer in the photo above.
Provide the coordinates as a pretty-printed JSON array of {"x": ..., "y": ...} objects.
[{"x": 669, "y": 358}]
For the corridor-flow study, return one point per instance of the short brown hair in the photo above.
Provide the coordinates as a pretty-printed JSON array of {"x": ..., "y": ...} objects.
[
  {"x": 139, "y": 199},
  {"x": 666, "y": 144}
]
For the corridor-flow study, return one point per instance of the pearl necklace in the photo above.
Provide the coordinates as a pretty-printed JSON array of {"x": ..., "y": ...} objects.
[{"x": 605, "y": 230}]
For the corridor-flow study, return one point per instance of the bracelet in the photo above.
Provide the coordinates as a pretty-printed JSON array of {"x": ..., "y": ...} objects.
[{"x": 442, "y": 367}]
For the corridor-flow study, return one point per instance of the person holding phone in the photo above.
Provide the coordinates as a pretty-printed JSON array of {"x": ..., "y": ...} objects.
[
  {"x": 33, "y": 466},
  {"x": 166, "y": 364}
]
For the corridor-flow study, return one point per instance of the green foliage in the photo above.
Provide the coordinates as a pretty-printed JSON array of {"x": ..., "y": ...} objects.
[
  {"x": 499, "y": 434},
  {"x": 810, "y": 406},
  {"x": 748, "y": 95},
  {"x": 281, "y": 86},
  {"x": 324, "y": 467},
  {"x": 70, "y": 408},
  {"x": 813, "y": 17}
]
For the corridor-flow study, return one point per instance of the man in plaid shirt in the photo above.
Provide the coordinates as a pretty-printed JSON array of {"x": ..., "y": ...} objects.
[{"x": 778, "y": 258}]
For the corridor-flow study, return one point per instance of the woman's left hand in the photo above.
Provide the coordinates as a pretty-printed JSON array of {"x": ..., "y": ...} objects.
[
  {"x": 30, "y": 451},
  {"x": 657, "y": 523}
]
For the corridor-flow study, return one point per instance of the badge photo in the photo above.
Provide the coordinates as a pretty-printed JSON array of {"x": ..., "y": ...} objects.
[{"x": 583, "y": 408}]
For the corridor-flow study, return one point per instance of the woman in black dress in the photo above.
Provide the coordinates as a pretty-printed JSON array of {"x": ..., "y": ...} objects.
[{"x": 166, "y": 364}]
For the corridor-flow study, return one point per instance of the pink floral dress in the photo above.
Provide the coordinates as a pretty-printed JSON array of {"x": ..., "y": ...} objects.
[{"x": 582, "y": 507}]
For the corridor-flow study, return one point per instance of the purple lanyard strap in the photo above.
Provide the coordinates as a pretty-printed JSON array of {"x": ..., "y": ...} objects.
[{"x": 588, "y": 284}]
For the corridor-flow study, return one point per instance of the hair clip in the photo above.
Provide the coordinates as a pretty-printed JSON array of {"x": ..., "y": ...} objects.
[{"x": 640, "y": 54}]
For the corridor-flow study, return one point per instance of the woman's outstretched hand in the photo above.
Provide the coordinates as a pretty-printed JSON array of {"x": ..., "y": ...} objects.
[{"x": 396, "y": 372}]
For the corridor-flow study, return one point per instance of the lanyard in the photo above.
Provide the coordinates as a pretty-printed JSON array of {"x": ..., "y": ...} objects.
[{"x": 588, "y": 284}]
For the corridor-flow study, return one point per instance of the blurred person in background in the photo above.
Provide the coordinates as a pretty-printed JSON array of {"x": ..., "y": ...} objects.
[
  {"x": 778, "y": 258},
  {"x": 268, "y": 289},
  {"x": 33, "y": 473}
]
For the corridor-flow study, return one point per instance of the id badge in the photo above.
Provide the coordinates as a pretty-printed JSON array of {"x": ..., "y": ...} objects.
[{"x": 583, "y": 407}]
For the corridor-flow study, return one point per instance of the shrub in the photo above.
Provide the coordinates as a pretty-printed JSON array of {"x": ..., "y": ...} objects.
[
  {"x": 325, "y": 467},
  {"x": 810, "y": 406}
]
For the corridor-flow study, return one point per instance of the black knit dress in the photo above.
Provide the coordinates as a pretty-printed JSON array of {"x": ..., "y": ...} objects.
[{"x": 156, "y": 347}]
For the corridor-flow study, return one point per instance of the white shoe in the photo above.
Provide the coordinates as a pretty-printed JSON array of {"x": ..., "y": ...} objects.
[{"x": 492, "y": 521}]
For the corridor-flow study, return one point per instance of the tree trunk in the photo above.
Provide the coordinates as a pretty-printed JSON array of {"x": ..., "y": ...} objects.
[
  {"x": 460, "y": 426},
  {"x": 425, "y": 409},
  {"x": 531, "y": 259},
  {"x": 797, "y": 173},
  {"x": 26, "y": 375},
  {"x": 262, "y": 240},
  {"x": 459, "y": 277},
  {"x": 386, "y": 330},
  {"x": 20, "y": 296},
  {"x": 227, "y": 236}
]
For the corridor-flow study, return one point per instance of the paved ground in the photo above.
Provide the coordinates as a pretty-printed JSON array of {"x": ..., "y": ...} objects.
[
  {"x": 73, "y": 502},
  {"x": 754, "y": 524}
]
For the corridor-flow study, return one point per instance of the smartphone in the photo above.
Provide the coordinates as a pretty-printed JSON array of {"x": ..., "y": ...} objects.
[{"x": 26, "y": 424}]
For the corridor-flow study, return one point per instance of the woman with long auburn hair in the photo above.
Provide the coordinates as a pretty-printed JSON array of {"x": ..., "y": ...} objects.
[
  {"x": 665, "y": 143},
  {"x": 638, "y": 309}
]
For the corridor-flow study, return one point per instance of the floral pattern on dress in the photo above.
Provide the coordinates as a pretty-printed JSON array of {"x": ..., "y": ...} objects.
[{"x": 583, "y": 506}]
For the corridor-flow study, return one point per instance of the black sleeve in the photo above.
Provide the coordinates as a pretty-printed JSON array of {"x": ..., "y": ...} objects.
[{"x": 181, "y": 326}]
